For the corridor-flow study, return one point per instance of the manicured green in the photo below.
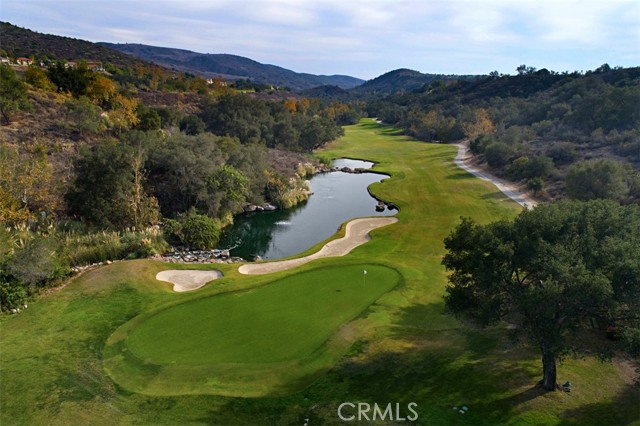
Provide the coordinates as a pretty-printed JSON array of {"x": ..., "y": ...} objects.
[
  {"x": 403, "y": 348},
  {"x": 287, "y": 319}
]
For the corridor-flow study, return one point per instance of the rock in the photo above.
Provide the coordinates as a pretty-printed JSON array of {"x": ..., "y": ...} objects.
[
  {"x": 249, "y": 208},
  {"x": 269, "y": 207},
  {"x": 380, "y": 207},
  {"x": 259, "y": 208},
  {"x": 257, "y": 258},
  {"x": 108, "y": 262}
]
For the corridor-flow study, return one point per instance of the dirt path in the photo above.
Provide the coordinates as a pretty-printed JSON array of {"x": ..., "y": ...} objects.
[
  {"x": 463, "y": 160},
  {"x": 356, "y": 234}
]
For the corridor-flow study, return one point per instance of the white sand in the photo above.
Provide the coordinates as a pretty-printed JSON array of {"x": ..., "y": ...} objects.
[
  {"x": 187, "y": 280},
  {"x": 463, "y": 161},
  {"x": 356, "y": 234}
]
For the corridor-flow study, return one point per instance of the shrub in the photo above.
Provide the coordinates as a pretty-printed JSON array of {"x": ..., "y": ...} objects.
[
  {"x": 563, "y": 153},
  {"x": 201, "y": 232},
  {"x": 38, "y": 262},
  {"x": 12, "y": 294},
  {"x": 498, "y": 154},
  {"x": 172, "y": 230},
  {"x": 597, "y": 179}
]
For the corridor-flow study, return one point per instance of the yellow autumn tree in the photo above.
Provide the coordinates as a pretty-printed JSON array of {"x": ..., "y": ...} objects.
[
  {"x": 291, "y": 105},
  {"x": 479, "y": 124},
  {"x": 26, "y": 185},
  {"x": 123, "y": 113},
  {"x": 101, "y": 90}
]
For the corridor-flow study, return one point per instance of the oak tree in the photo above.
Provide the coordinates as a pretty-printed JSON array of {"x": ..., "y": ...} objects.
[{"x": 551, "y": 272}]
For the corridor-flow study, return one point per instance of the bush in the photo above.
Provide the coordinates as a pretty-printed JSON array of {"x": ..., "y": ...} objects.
[
  {"x": 539, "y": 167},
  {"x": 12, "y": 294},
  {"x": 192, "y": 125},
  {"x": 563, "y": 153},
  {"x": 172, "y": 231},
  {"x": 201, "y": 232},
  {"x": 597, "y": 179},
  {"x": 38, "y": 262},
  {"x": 498, "y": 154}
]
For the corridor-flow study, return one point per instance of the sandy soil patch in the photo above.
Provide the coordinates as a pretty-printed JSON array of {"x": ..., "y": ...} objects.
[
  {"x": 187, "y": 280},
  {"x": 463, "y": 160},
  {"x": 356, "y": 234}
]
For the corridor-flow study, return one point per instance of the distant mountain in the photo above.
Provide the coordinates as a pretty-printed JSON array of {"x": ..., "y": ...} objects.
[
  {"x": 16, "y": 41},
  {"x": 232, "y": 67},
  {"x": 404, "y": 80}
]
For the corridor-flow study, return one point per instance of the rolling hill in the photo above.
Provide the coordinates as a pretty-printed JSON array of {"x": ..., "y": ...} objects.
[
  {"x": 16, "y": 41},
  {"x": 404, "y": 80},
  {"x": 231, "y": 67}
]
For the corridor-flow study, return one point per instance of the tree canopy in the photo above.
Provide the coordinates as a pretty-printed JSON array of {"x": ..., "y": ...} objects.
[{"x": 553, "y": 271}]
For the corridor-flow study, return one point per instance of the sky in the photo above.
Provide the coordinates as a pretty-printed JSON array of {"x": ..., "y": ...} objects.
[{"x": 361, "y": 38}]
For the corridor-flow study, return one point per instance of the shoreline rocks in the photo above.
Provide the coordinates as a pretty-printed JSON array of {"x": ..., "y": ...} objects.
[{"x": 185, "y": 255}]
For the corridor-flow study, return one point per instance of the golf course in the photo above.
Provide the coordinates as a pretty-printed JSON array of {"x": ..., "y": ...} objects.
[{"x": 117, "y": 346}]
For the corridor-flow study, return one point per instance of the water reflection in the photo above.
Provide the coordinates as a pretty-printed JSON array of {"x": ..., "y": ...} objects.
[{"x": 337, "y": 197}]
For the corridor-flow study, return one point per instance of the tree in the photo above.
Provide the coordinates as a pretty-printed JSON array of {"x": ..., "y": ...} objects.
[
  {"x": 200, "y": 231},
  {"x": 535, "y": 184},
  {"x": 123, "y": 113},
  {"x": 479, "y": 124},
  {"x": 27, "y": 186},
  {"x": 36, "y": 77},
  {"x": 192, "y": 125},
  {"x": 108, "y": 191},
  {"x": 498, "y": 154},
  {"x": 87, "y": 116},
  {"x": 549, "y": 272},
  {"x": 597, "y": 179},
  {"x": 13, "y": 94},
  {"x": 101, "y": 90}
]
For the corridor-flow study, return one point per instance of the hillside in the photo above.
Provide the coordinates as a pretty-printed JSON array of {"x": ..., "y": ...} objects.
[
  {"x": 232, "y": 67},
  {"x": 16, "y": 41},
  {"x": 547, "y": 130},
  {"x": 404, "y": 80}
]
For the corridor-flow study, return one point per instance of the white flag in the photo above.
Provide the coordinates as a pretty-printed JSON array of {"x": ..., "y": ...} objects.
[{"x": 365, "y": 272}]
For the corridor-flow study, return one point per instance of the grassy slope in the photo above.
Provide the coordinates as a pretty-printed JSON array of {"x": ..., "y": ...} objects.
[{"x": 407, "y": 350}]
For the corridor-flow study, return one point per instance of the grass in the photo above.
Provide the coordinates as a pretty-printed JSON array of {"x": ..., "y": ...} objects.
[
  {"x": 403, "y": 349},
  {"x": 246, "y": 334}
]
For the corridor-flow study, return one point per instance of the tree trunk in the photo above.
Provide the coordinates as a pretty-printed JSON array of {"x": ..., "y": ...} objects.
[{"x": 549, "y": 372}]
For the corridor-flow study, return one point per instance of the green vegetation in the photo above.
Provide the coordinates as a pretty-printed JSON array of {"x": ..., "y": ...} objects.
[
  {"x": 553, "y": 272},
  {"x": 539, "y": 115},
  {"x": 13, "y": 94},
  {"x": 403, "y": 349},
  {"x": 290, "y": 325}
]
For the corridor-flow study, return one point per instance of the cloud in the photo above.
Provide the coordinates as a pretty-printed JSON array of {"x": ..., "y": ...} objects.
[{"x": 359, "y": 37}]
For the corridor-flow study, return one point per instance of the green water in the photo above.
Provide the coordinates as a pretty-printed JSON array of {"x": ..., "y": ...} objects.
[{"x": 337, "y": 197}]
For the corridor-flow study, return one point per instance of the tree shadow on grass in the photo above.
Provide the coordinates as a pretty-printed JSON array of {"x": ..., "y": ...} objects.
[
  {"x": 623, "y": 409},
  {"x": 461, "y": 175}
]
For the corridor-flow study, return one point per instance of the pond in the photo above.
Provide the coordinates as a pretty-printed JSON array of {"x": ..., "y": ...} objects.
[{"x": 337, "y": 197}]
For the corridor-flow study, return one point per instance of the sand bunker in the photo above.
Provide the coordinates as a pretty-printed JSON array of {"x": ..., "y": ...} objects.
[
  {"x": 356, "y": 234},
  {"x": 187, "y": 280}
]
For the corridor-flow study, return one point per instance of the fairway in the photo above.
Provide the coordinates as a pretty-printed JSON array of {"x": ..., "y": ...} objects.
[
  {"x": 116, "y": 346},
  {"x": 284, "y": 320}
]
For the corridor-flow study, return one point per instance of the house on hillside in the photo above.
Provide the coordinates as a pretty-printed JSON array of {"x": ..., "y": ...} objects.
[
  {"x": 4, "y": 60},
  {"x": 95, "y": 66},
  {"x": 23, "y": 61}
]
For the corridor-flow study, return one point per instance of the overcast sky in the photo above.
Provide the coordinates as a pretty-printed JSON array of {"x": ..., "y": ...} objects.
[{"x": 362, "y": 38}]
